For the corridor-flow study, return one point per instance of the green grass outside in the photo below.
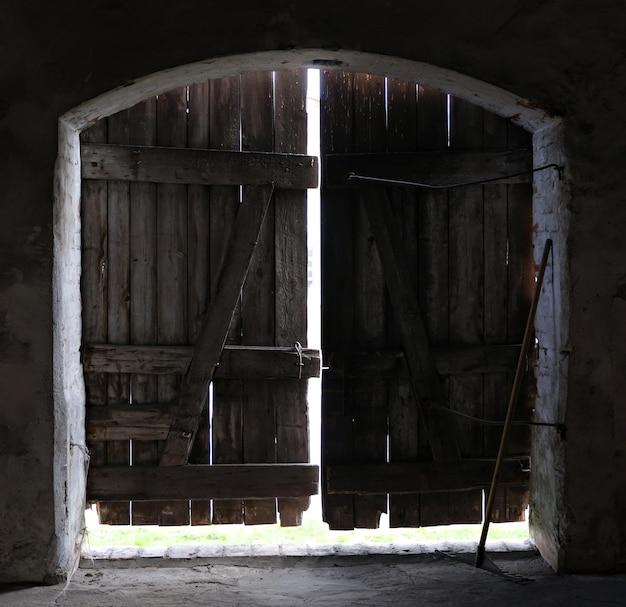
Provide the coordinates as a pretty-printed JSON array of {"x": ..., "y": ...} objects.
[{"x": 107, "y": 536}]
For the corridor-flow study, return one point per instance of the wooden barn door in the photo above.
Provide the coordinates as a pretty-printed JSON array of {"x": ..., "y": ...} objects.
[
  {"x": 183, "y": 249},
  {"x": 424, "y": 292}
]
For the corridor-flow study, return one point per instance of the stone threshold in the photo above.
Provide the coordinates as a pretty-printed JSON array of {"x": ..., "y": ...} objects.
[{"x": 196, "y": 554}]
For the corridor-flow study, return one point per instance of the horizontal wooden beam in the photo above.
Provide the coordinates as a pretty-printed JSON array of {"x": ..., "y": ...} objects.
[
  {"x": 128, "y": 422},
  {"x": 204, "y": 167},
  {"x": 459, "y": 360},
  {"x": 420, "y": 477},
  {"x": 221, "y": 481},
  {"x": 434, "y": 167},
  {"x": 236, "y": 362},
  {"x": 449, "y": 360}
]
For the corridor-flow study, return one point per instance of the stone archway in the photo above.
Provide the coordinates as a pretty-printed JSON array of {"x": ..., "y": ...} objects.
[{"x": 551, "y": 219}]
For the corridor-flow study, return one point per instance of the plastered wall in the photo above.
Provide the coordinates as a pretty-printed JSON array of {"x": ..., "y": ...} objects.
[{"x": 564, "y": 57}]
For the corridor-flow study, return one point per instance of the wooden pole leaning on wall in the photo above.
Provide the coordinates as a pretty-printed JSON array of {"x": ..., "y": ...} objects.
[{"x": 519, "y": 373}]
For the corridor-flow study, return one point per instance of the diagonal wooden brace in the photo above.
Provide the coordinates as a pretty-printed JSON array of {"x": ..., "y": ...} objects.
[
  {"x": 214, "y": 327},
  {"x": 425, "y": 380}
]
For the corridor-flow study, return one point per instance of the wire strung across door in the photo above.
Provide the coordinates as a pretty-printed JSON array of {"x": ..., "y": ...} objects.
[{"x": 434, "y": 186}]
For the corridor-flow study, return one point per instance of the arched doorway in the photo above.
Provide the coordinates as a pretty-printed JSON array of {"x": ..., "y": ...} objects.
[{"x": 69, "y": 391}]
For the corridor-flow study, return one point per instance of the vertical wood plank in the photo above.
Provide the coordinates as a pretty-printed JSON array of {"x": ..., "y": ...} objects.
[
  {"x": 290, "y": 397},
  {"x": 336, "y": 113},
  {"x": 432, "y": 134},
  {"x": 143, "y": 295},
  {"x": 94, "y": 255},
  {"x": 226, "y": 422},
  {"x": 404, "y": 510},
  {"x": 370, "y": 395},
  {"x": 172, "y": 263},
  {"x": 198, "y": 279},
  {"x": 118, "y": 309},
  {"x": 521, "y": 284},
  {"x": 496, "y": 290},
  {"x": 466, "y": 297},
  {"x": 258, "y": 311}
]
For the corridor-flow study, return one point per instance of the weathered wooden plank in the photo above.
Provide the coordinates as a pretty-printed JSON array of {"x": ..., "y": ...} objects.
[
  {"x": 520, "y": 287},
  {"x": 141, "y": 422},
  {"x": 207, "y": 350},
  {"x": 495, "y": 240},
  {"x": 118, "y": 310},
  {"x": 336, "y": 112},
  {"x": 420, "y": 477},
  {"x": 354, "y": 364},
  {"x": 432, "y": 134},
  {"x": 143, "y": 292},
  {"x": 496, "y": 394},
  {"x": 460, "y": 360},
  {"x": 370, "y": 394},
  {"x": 224, "y": 134},
  {"x": 433, "y": 220},
  {"x": 198, "y": 217},
  {"x": 93, "y": 283},
  {"x": 175, "y": 165},
  {"x": 227, "y": 431},
  {"x": 436, "y": 167},
  {"x": 466, "y": 296},
  {"x": 258, "y": 362},
  {"x": 449, "y": 360},
  {"x": 224, "y": 481},
  {"x": 290, "y": 243},
  {"x": 236, "y": 362},
  {"x": 145, "y": 422},
  {"x": 172, "y": 262},
  {"x": 198, "y": 266},
  {"x": 258, "y": 310},
  {"x": 404, "y": 510},
  {"x": 425, "y": 380}
]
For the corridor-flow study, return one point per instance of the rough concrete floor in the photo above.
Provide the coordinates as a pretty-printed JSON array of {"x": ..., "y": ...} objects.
[{"x": 332, "y": 581}]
